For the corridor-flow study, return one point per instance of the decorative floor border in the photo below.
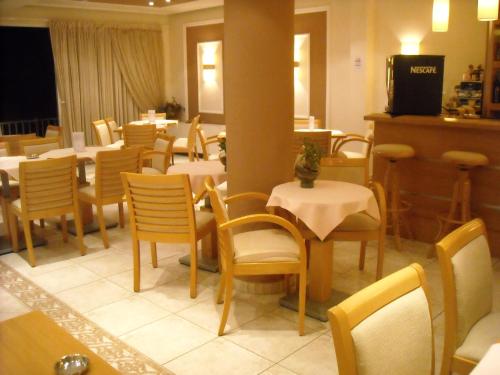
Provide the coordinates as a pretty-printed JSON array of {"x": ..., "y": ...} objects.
[{"x": 114, "y": 351}]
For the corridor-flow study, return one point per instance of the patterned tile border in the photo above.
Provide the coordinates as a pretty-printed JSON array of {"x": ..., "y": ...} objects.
[{"x": 118, "y": 354}]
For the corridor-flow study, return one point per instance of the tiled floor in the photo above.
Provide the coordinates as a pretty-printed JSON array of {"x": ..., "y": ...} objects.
[{"x": 181, "y": 333}]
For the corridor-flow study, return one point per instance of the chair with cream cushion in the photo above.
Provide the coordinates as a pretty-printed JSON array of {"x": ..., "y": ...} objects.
[
  {"x": 12, "y": 142},
  {"x": 386, "y": 328},
  {"x": 360, "y": 226},
  {"x": 113, "y": 132},
  {"x": 188, "y": 145},
  {"x": 471, "y": 326},
  {"x": 349, "y": 138},
  {"x": 139, "y": 135},
  {"x": 258, "y": 252},
  {"x": 158, "y": 116},
  {"x": 159, "y": 156},
  {"x": 108, "y": 188},
  {"x": 161, "y": 210},
  {"x": 101, "y": 130},
  {"x": 205, "y": 142},
  {"x": 39, "y": 146},
  {"x": 47, "y": 188},
  {"x": 55, "y": 131}
]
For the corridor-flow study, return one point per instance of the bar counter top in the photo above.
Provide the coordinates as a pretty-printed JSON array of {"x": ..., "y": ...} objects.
[{"x": 444, "y": 121}]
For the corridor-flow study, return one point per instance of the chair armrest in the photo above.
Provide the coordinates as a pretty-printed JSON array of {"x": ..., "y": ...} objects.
[
  {"x": 148, "y": 155},
  {"x": 200, "y": 194},
  {"x": 273, "y": 219},
  {"x": 210, "y": 140},
  {"x": 245, "y": 196}
]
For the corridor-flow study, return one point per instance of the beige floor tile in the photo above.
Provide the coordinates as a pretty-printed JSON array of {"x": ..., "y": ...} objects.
[
  {"x": 218, "y": 357},
  {"x": 278, "y": 370},
  {"x": 10, "y": 306},
  {"x": 271, "y": 337},
  {"x": 207, "y": 314},
  {"x": 293, "y": 316},
  {"x": 317, "y": 357},
  {"x": 93, "y": 295},
  {"x": 110, "y": 264},
  {"x": 65, "y": 278},
  {"x": 126, "y": 315},
  {"x": 167, "y": 338}
]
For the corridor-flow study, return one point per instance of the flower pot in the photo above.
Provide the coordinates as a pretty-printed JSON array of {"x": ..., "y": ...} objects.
[{"x": 306, "y": 176}]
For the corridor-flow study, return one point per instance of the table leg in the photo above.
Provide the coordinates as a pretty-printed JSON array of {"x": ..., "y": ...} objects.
[{"x": 208, "y": 261}]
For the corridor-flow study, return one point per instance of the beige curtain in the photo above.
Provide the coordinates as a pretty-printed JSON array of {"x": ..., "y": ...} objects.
[{"x": 91, "y": 85}]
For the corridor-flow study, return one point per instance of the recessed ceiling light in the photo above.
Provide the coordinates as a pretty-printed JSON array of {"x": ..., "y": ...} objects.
[
  {"x": 151, "y": 3},
  {"x": 167, "y": 1}
]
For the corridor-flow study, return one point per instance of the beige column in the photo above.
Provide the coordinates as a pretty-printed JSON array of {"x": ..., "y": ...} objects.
[{"x": 258, "y": 94}]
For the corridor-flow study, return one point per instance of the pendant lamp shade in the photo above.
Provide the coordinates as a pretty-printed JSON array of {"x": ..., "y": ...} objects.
[{"x": 440, "y": 15}]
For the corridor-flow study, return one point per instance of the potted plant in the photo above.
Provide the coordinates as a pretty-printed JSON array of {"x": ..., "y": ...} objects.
[
  {"x": 172, "y": 109},
  {"x": 307, "y": 164}
]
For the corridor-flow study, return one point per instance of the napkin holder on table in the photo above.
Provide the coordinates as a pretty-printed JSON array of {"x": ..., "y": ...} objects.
[{"x": 78, "y": 141}]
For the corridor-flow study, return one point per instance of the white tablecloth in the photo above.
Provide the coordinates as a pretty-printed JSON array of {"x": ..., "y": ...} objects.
[
  {"x": 10, "y": 164},
  {"x": 89, "y": 153},
  {"x": 160, "y": 124},
  {"x": 490, "y": 363},
  {"x": 333, "y": 132},
  {"x": 326, "y": 205},
  {"x": 198, "y": 170}
]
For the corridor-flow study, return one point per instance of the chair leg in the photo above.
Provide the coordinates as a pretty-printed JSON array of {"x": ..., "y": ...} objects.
[
  {"x": 29, "y": 241},
  {"x": 380, "y": 256},
  {"x": 64, "y": 228},
  {"x": 362, "y": 254},
  {"x": 6, "y": 216},
  {"x": 79, "y": 231},
  {"x": 302, "y": 300},
  {"x": 154, "y": 255},
  {"x": 14, "y": 231},
  {"x": 102, "y": 226},
  {"x": 193, "y": 270},
  {"x": 220, "y": 290},
  {"x": 227, "y": 303},
  {"x": 137, "y": 264},
  {"x": 121, "y": 216},
  {"x": 395, "y": 209}
]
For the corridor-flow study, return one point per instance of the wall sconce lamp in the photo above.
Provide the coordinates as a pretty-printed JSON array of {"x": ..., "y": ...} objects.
[
  {"x": 440, "y": 15},
  {"x": 487, "y": 10},
  {"x": 410, "y": 47}
]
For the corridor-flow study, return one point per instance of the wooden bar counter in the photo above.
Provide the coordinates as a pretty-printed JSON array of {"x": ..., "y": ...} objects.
[{"x": 427, "y": 182}]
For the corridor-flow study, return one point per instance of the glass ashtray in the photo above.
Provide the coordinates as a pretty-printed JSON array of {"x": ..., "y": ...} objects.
[{"x": 72, "y": 364}]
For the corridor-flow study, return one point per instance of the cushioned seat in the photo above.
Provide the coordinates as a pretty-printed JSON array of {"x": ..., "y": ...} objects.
[
  {"x": 482, "y": 335},
  {"x": 351, "y": 155},
  {"x": 394, "y": 151},
  {"x": 265, "y": 245},
  {"x": 203, "y": 219},
  {"x": 150, "y": 171},
  {"x": 180, "y": 143},
  {"x": 88, "y": 190},
  {"x": 358, "y": 222},
  {"x": 471, "y": 159},
  {"x": 16, "y": 204}
]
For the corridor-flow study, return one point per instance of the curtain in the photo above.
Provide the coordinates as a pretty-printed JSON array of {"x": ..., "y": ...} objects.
[{"x": 91, "y": 81}]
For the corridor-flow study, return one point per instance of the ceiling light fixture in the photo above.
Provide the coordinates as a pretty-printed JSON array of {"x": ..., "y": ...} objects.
[
  {"x": 487, "y": 10},
  {"x": 167, "y": 1},
  {"x": 151, "y": 3}
]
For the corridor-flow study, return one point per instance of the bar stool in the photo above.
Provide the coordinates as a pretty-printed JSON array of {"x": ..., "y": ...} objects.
[
  {"x": 460, "y": 201},
  {"x": 393, "y": 153}
]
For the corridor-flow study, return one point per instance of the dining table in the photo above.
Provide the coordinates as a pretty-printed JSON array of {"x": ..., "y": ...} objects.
[
  {"x": 161, "y": 124},
  {"x": 317, "y": 212},
  {"x": 198, "y": 171}
]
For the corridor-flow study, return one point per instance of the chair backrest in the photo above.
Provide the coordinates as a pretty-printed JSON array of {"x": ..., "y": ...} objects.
[
  {"x": 191, "y": 138},
  {"x": 224, "y": 238},
  {"x": 367, "y": 142},
  {"x": 466, "y": 270},
  {"x": 48, "y": 185},
  {"x": 55, "y": 131},
  {"x": 39, "y": 145},
  {"x": 322, "y": 138},
  {"x": 343, "y": 169},
  {"x": 12, "y": 142},
  {"x": 203, "y": 141},
  {"x": 108, "y": 166},
  {"x": 303, "y": 123},
  {"x": 386, "y": 328},
  {"x": 102, "y": 132},
  {"x": 112, "y": 126},
  {"x": 163, "y": 143},
  {"x": 160, "y": 207},
  {"x": 139, "y": 135},
  {"x": 158, "y": 116}
]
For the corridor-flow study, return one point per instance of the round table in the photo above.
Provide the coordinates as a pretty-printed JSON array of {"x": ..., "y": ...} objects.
[
  {"x": 321, "y": 209},
  {"x": 198, "y": 170}
]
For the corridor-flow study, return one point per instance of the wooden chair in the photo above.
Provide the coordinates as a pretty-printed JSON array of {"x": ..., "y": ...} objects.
[
  {"x": 39, "y": 145},
  {"x": 471, "y": 326},
  {"x": 160, "y": 155},
  {"x": 158, "y": 115},
  {"x": 12, "y": 142},
  {"x": 112, "y": 127},
  {"x": 340, "y": 142},
  {"x": 188, "y": 145},
  {"x": 161, "y": 210},
  {"x": 139, "y": 135},
  {"x": 360, "y": 226},
  {"x": 108, "y": 188},
  {"x": 102, "y": 133},
  {"x": 303, "y": 123},
  {"x": 386, "y": 328},
  {"x": 55, "y": 131},
  {"x": 320, "y": 138},
  {"x": 47, "y": 188},
  {"x": 258, "y": 252},
  {"x": 204, "y": 141}
]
